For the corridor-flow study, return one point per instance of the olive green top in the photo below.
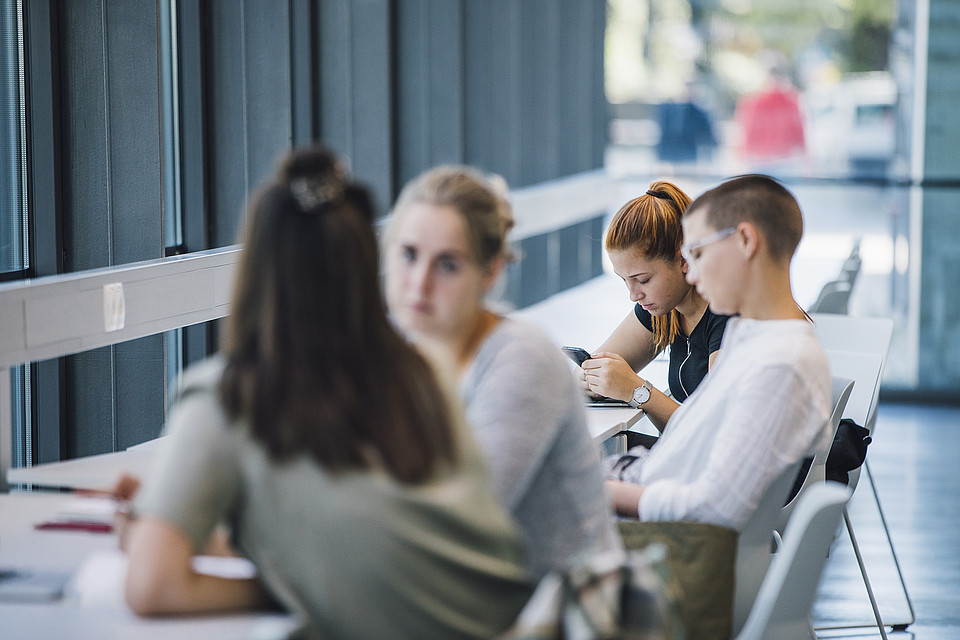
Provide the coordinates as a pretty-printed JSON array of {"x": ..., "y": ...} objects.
[{"x": 356, "y": 554}]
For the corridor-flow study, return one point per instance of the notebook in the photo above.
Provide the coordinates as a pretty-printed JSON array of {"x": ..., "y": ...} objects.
[{"x": 27, "y": 585}]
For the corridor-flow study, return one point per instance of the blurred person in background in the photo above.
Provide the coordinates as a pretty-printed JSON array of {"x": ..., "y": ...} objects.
[
  {"x": 771, "y": 122},
  {"x": 686, "y": 133}
]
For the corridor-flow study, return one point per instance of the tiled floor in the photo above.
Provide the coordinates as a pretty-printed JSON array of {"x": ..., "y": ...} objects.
[{"x": 914, "y": 460}]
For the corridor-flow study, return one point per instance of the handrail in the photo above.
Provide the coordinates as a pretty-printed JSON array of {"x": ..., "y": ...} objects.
[{"x": 54, "y": 316}]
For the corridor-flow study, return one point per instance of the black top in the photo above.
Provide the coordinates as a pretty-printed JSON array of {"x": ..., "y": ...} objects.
[{"x": 690, "y": 357}]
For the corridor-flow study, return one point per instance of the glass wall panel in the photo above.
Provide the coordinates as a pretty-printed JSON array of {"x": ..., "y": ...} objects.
[
  {"x": 822, "y": 96},
  {"x": 724, "y": 86},
  {"x": 14, "y": 256},
  {"x": 170, "y": 127}
]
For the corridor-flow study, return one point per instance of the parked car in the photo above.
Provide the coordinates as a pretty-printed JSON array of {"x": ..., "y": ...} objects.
[{"x": 852, "y": 124}]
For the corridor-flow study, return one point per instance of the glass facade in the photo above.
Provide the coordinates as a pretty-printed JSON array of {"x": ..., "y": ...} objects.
[
  {"x": 801, "y": 90},
  {"x": 830, "y": 98},
  {"x": 14, "y": 245}
]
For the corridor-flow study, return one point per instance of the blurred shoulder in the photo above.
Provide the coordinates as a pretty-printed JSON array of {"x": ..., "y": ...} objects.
[
  {"x": 519, "y": 340},
  {"x": 203, "y": 376}
]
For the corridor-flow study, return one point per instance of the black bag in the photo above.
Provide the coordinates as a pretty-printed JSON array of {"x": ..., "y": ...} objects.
[{"x": 848, "y": 452}]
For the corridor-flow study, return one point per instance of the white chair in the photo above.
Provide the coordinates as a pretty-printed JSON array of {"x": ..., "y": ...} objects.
[
  {"x": 852, "y": 333},
  {"x": 833, "y": 298},
  {"x": 840, "y": 393},
  {"x": 754, "y": 546},
  {"x": 781, "y": 609},
  {"x": 851, "y": 266},
  {"x": 866, "y": 369}
]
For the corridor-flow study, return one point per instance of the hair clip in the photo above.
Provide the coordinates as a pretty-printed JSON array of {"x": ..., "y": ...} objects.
[
  {"x": 312, "y": 194},
  {"x": 663, "y": 195}
]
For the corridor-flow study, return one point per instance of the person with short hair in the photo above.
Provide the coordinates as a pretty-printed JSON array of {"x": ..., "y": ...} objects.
[
  {"x": 643, "y": 242},
  {"x": 446, "y": 245},
  {"x": 766, "y": 403},
  {"x": 327, "y": 445}
]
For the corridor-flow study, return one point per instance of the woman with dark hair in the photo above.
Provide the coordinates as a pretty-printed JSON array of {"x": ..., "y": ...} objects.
[
  {"x": 643, "y": 243},
  {"x": 326, "y": 444}
]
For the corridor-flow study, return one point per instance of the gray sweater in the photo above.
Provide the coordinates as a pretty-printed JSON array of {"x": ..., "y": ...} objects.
[{"x": 527, "y": 413}]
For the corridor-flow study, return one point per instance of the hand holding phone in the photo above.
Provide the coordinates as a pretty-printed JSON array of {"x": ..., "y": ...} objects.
[{"x": 576, "y": 354}]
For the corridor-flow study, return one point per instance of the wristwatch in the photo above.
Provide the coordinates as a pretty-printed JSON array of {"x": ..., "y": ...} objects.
[{"x": 641, "y": 394}]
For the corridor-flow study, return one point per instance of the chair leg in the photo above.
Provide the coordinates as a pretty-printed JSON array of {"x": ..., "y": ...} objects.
[
  {"x": 866, "y": 582},
  {"x": 897, "y": 626},
  {"x": 621, "y": 443},
  {"x": 863, "y": 572}
]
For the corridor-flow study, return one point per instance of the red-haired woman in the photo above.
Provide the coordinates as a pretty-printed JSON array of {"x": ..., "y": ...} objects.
[{"x": 643, "y": 242}]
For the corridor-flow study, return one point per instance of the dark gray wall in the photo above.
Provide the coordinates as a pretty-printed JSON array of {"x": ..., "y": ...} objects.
[
  {"x": 110, "y": 178},
  {"x": 514, "y": 87},
  {"x": 511, "y": 86},
  {"x": 248, "y": 116},
  {"x": 354, "y": 95}
]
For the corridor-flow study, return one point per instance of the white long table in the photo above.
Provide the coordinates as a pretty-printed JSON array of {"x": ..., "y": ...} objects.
[
  {"x": 606, "y": 422},
  {"x": 97, "y": 472},
  {"x": 27, "y": 549},
  {"x": 100, "y": 472}
]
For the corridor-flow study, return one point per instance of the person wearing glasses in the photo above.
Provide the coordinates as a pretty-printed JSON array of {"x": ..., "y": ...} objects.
[
  {"x": 328, "y": 446},
  {"x": 643, "y": 243},
  {"x": 766, "y": 403}
]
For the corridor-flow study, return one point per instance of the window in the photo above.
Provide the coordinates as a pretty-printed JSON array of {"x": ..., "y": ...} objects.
[
  {"x": 721, "y": 88},
  {"x": 14, "y": 247},
  {"x": 14, "y": 221},
  {"x": 170, "y": 100}
]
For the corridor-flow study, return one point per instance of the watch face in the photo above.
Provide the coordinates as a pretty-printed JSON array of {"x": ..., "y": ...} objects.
[{"x": 641, "y": 395}]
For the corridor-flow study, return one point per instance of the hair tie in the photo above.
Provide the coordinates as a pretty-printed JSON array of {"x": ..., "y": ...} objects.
[
  {"x": 313, "y": 193},
  {"x": 657, "y": 194}
]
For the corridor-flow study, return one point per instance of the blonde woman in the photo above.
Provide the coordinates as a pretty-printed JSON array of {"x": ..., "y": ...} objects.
[{"x": 445, "y": 248}]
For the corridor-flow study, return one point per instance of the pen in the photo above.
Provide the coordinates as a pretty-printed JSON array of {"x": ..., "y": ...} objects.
[{"x": 72, "y": 525}]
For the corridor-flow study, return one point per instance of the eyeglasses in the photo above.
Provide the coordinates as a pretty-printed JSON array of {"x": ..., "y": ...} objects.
[{"x": 687, "y": 250}]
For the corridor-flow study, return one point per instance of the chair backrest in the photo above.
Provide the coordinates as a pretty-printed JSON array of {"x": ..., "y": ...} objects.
[
  {"x": 840, "y": 389},
  {"x": 864, "y": 369},
  {"x": 833, "y": 298},
  {"x": 852, "y": 333},
  {"x": 851, "y": 266},
  {"x": 754, "y": 545},
  {"x": 782, "y": 607},
  {"x": 862, "y": 335},
  {"x": 850, "y": 269}
]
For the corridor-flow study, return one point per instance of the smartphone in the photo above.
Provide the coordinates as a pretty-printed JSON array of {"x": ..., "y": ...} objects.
[{"x": 576, "y": 354}]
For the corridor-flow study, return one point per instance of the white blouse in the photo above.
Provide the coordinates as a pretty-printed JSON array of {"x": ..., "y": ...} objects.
[{"x": 764, "y": 405}]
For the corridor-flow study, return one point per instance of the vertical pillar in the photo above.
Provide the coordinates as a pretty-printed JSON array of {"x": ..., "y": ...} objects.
[
  {"x": 6, "y": 428},
  {"x": 937, "y": 219}
]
